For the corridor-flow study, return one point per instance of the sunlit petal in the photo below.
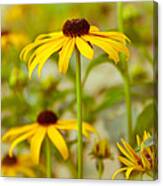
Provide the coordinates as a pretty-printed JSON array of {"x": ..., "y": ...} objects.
[
  {"x": 58, "y": 141},
  {"x": 65, "y": 54}
]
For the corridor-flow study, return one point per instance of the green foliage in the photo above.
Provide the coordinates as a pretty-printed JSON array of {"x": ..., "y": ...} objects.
[{"x": 145, "y": 120}]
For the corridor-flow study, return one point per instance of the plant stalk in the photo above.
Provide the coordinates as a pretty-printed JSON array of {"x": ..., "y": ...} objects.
[
  {"x": 48, "y": 158},
  {"x": 79, "y": 115},
  {"x": 125, "y": 75}
]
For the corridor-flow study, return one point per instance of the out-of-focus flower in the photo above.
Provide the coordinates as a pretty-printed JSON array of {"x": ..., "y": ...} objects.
[
  {"x": 47, "y": 125},
  {"x": 16, "y": 165},
  {"x": 11, "y": 38},
  {"x": 14, "y": 13},
  {"x": 17, "y": 79},
  {"x": 141, "y": 161},
  {"x": 76, "y": 33},
  {"x": 101, "y": 150}
]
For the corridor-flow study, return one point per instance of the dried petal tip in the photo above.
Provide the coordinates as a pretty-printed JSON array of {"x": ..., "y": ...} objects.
[
  {"x": 75, "y": 27},
  {"x": 9, "y": 161},
  {"x": 47, "y": 117}
]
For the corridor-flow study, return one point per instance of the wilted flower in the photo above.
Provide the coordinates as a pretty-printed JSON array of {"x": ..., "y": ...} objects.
[
  {"x": 101, "y": 150},
  {"x": 138, "y": 161}
]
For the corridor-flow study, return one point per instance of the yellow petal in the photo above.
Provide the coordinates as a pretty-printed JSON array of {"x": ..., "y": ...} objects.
[
  {"x": 17, "y": 131},
  {"x": 125, "y": 161},
  {"x": 20, "y": 139},
  {"x": 93, "y": 29},
  {"x": 84, "y": 48},
  {"x": 58, "y": 141},
  {"x": 113, "y": 35},
  {"x": 107, "y": 47},
  {"x": 72, "y": 125},
  {"x": 65, "y": 54},
  {"x": 130, "y": 150},
  {"x": 48, "y": 36},
  {"x": 36, "y": 143},
  {"x": 128, "y": 172},
  {"x": 118, "y": 171},
  {"x": 138, "y": 140},
  {"x": 26, "y": 171},
  {"x": 123, "y": 151},
  {"x": 42, "y": 54}
]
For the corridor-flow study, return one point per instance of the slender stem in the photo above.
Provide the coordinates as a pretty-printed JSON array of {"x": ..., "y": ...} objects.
[
  {"x": 128, "y": 106},
  {"x": 100, "y": 168},
  {"x": 125, "y": 75},
  {"x": 79, "y": 114},
  {"x": 48, "y": 158},
  {"x": 120, "y": 16}
]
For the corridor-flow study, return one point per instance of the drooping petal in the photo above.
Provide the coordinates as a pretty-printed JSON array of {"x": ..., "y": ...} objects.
[
  {"x": 72, "y": 125},
  {"x": 118, "y": 171},
  {"x": 107, "y": 47},
  {"x": 36, "y": 143},
  {"x": 58, "y": 141},
  {"x": 65, "y": 54},
  {"x": 123, "y": 151},
  {"x": 125, "y": 161},
  {"x": 84, "y": 48},
  {"x": 51, "y": 35},
  {"x": 38, "y": 41},
  {"x": 26, "y": 171},
  {"x": 128, "y": 172},
  {"x": 130, "y": 150},
  {"x": 13, "y": 133},
  {"x": 112, "y": 35},
  {"x": 19, "y": 140},
  {"x": 42, "y": 54}
]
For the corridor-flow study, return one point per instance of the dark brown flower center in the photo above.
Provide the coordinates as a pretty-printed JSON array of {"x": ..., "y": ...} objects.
[
  {"x": 5, "y": 33},
  {"x": 76, "y": 27},
  {"x": 47, "y": 117},
  {"x": 9, "y": 161}
]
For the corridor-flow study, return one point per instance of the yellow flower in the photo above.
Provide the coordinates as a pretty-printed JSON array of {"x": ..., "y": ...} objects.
[
  {"x": 101, "y": 150},
  {"x": 76, "y": 33},
  {"x": 47, "y": 124},
  {"x": 16, "y": 165},
  {"x": 11, "y": 38},
  {"x": 139, "y": 162}
]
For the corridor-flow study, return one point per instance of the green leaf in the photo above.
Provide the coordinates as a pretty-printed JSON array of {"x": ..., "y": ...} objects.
[
  {"x": 145, "y": 120},
  {"x": 112, "y": 96}
]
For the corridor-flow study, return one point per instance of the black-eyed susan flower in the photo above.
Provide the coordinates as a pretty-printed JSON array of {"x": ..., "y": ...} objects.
[
  {"x": 76, "y": 33},
  {"x": 141, "y": 161},
  {"x": 17, "y": 165},
  {"x": 11, "y": 38},
  {"x": 47, "y": 124}
]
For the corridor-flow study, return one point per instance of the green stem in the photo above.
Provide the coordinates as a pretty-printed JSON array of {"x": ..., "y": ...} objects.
[
  {"x": 100, "y": 168},
  {"x": 120, "y": 16},
  {"x": 79, "y": 114},
  {"x": 48, "y": 158},
  {"x": 125, "y": 75},
  {"x": 128, "y": 106}
]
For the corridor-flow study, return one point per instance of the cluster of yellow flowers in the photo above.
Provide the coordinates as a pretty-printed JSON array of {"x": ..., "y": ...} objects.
[{"x": 76, "y": 34}]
